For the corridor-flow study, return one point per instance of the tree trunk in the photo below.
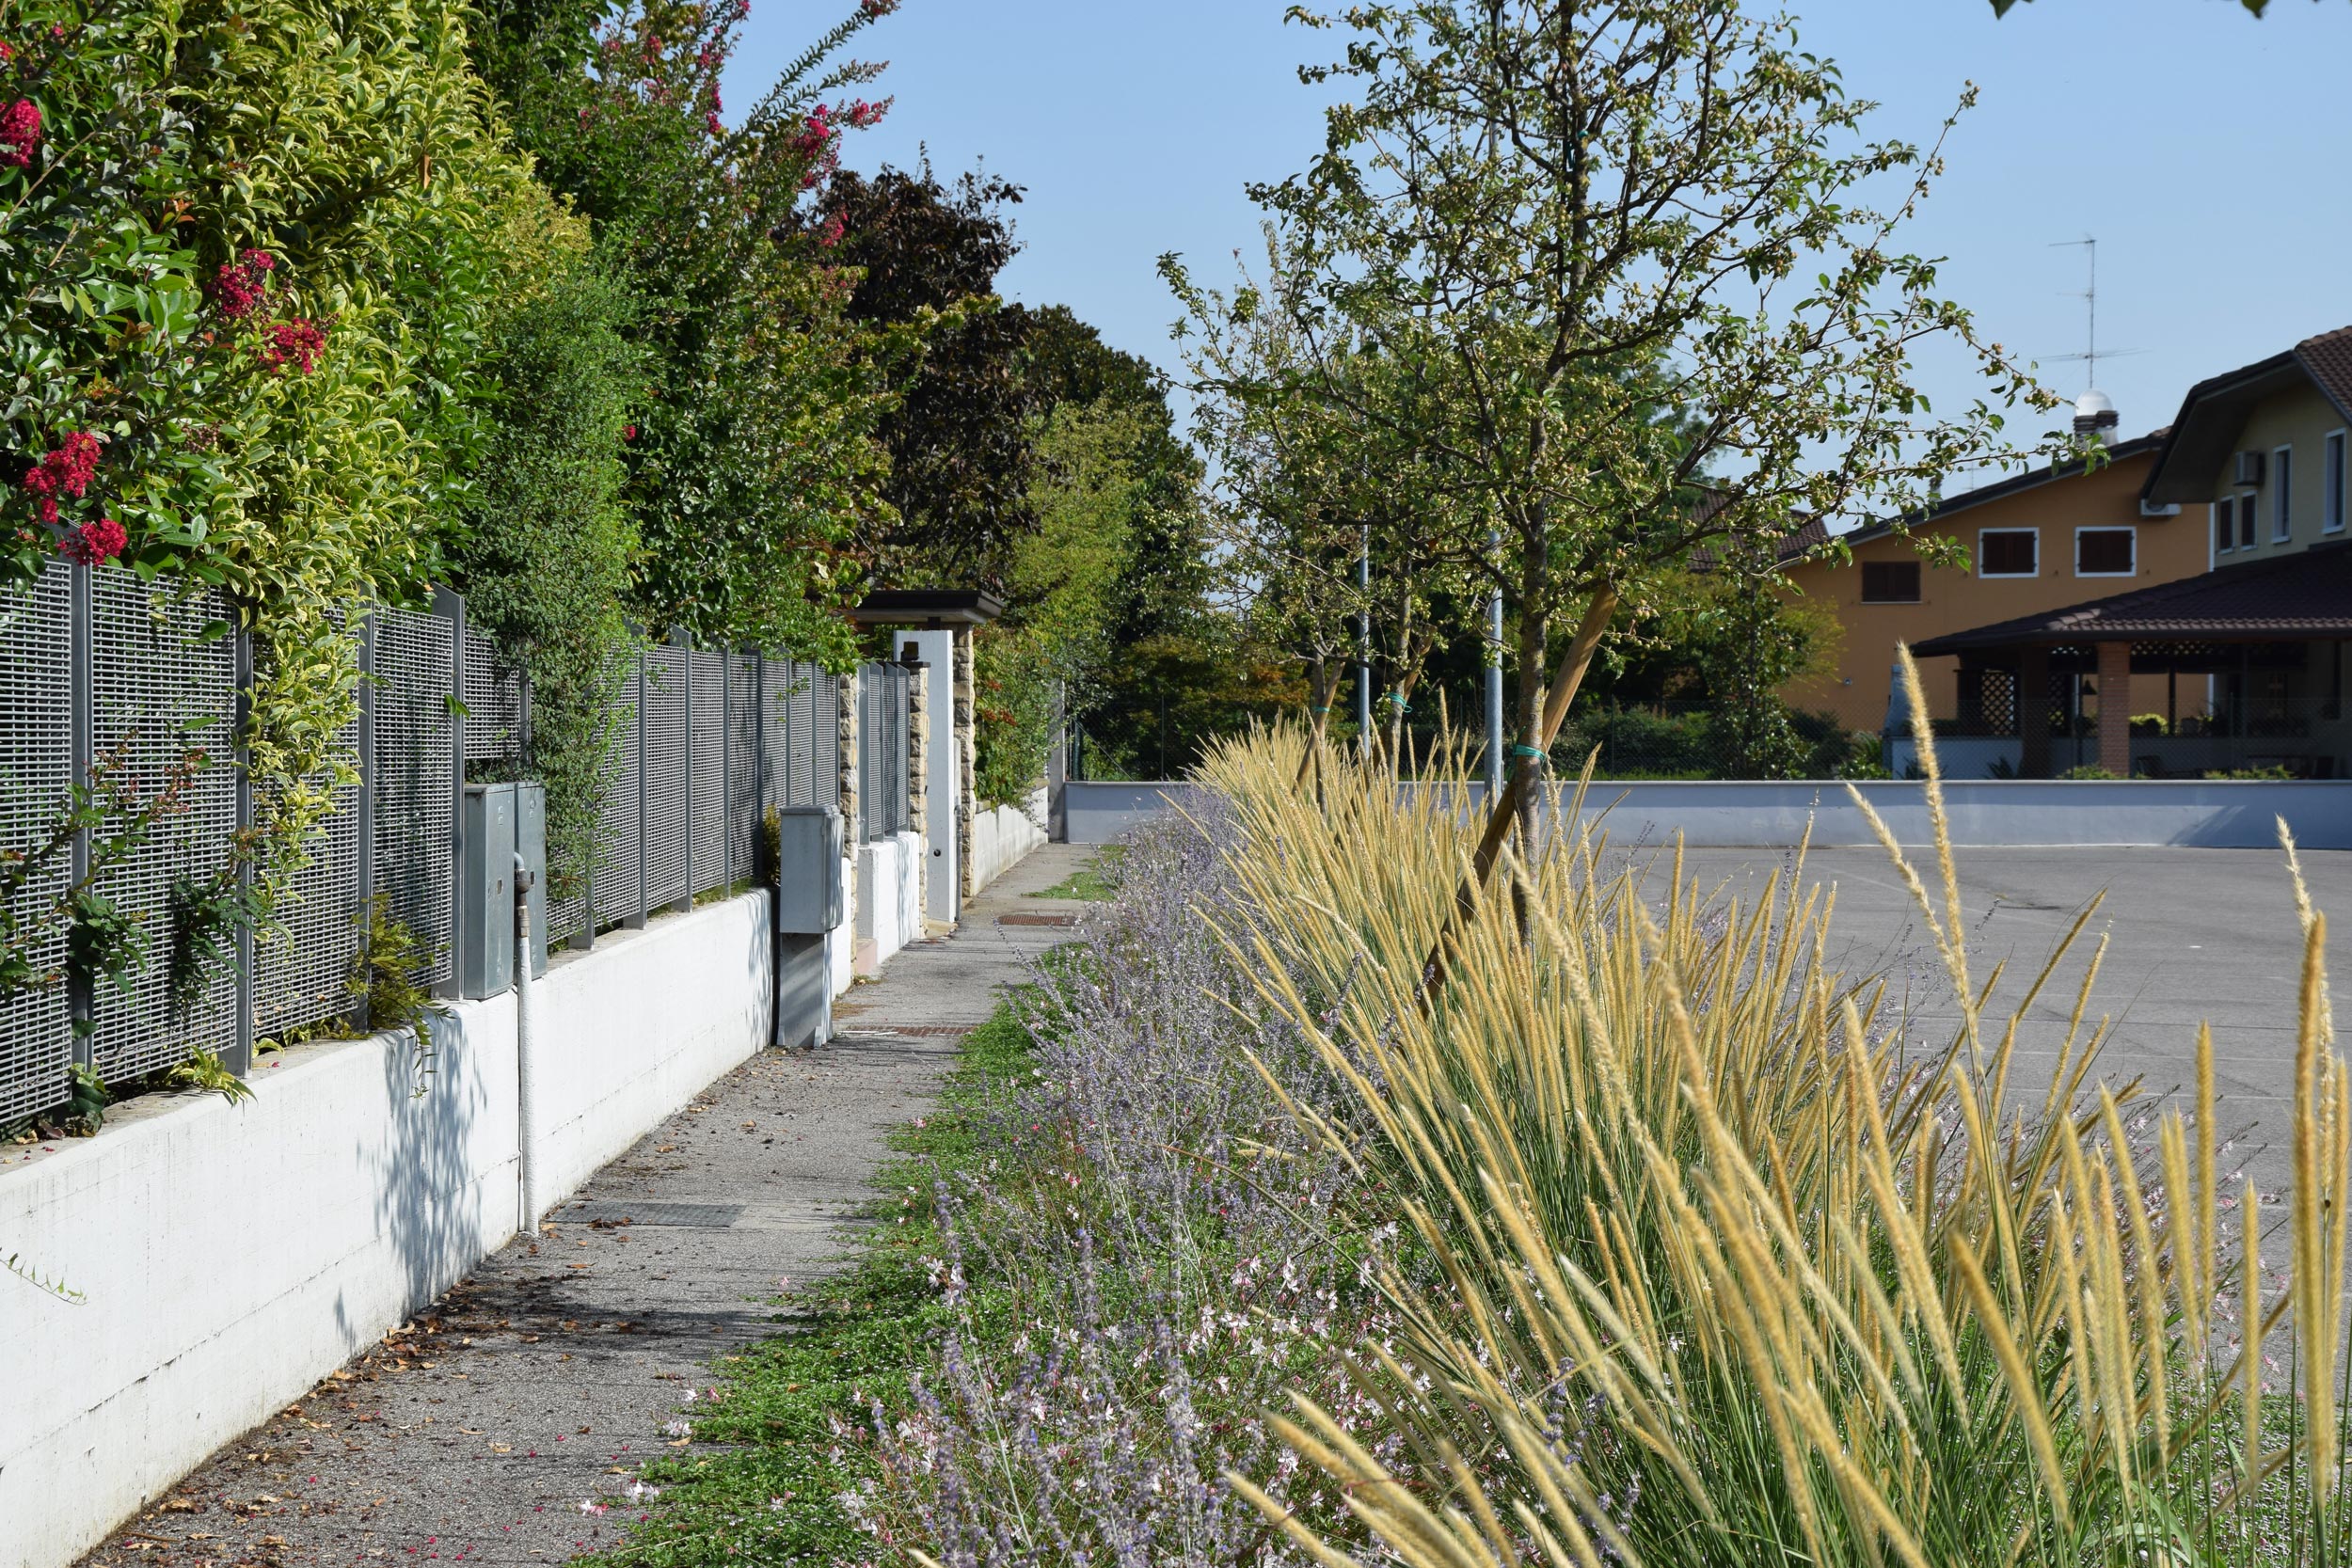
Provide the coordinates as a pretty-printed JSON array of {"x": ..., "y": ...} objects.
[
  {"x": 1321, "y": 682},
  {"x": 1521, "y": 791}
]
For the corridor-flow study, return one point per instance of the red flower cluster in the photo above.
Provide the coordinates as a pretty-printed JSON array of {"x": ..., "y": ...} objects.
[
  {"x": 20, "y": 134},
  {"x": 861, "y": 114},
  {"x": 878, "y": 8},
  {"x": 298, "y": 342},
  {"x": 93, "y": 543},
  {"x": 711, "y": 120},
  {"x": 629, "y": 433},
  {"x": 65, "y": 470},
  {"x": 239, "y": 289},
  {"x": 812, "y": 140},
  {"x": 830, "y": 234}
]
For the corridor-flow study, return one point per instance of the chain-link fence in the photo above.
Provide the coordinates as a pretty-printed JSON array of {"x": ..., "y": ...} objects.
[{"x": 98, "y": 665}]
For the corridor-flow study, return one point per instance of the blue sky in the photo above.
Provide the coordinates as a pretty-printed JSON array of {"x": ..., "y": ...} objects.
[{"x": 2207, "y": 151}]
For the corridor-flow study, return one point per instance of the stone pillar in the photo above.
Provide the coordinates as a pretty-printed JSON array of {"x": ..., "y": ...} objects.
[
  {"x": 918, "y": 764},
  {"x": 2033, "y": 711},
  {"x": 2115, "y": 708},
  {"x": 967, "y": 759}
]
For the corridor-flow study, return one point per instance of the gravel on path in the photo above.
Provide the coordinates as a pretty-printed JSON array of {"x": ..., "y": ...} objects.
[{"x": 477, "y": 1432}]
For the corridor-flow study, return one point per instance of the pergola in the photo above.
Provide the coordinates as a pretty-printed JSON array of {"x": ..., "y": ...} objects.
[{"x": 2237, "y": 621}]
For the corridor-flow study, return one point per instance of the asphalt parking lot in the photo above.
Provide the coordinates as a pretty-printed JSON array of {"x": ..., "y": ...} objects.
[{"x": 2194, "y": 935}]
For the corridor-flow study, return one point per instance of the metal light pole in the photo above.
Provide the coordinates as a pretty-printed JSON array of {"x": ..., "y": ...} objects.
[
  {"x": 1494, "y": 675},
  {"x": 1364, "y": 644}
]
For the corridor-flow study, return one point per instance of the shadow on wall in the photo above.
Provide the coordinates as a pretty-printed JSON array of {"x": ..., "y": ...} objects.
[{"x": 426, "y": 1205}]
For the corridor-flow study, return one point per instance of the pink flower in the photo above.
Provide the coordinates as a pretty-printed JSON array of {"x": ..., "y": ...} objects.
[
  {"x": 711, "y": 122},
  {"x": 65, "y": 470},
  {"x": 830, "y": 235},
  {"x": 298, "y": 342},
  {"x": 878, "y": 8},
  {"x": 239, "y": 287},
  {"x": 20, "y": 134},
  {"x": 862, "y": 114},
  {"x": 94, "y": 543}
]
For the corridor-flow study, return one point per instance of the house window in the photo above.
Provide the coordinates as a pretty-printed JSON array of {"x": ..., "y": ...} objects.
[
  {"x": 2281, "y": 494},
  {"x": 1890, "y": 582},
  {"x": 2224, "y": 527},
  {"x": 2331, "y": 483},
  {"x": 2107, "y": 552},
  {"x": 2245, "y": 522},
  {"x": 2009, "y": 552}
]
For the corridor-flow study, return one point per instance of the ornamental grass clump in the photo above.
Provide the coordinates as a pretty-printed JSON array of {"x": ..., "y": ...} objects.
[{"x": 1709, "y": 1260}]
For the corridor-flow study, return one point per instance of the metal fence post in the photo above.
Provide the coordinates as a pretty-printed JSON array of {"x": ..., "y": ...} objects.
[
  {"x": 759, "y": 759},
  {"x": 240, "y": 1053},
  {"x": 369, "y": 779},
  {"x": 80, "y": 660},
  {"x": 451, "y": 606},
  {"x": 680, "y": 640},
  {"x": 635, "y": 917},
  {"x": 726, "y": 771}
]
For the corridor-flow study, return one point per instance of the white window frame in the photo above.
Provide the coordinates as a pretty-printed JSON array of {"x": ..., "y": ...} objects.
[
  {"x": 2247, "y": 512},
  {"x": 2221, "y": 539},
  {"x": 2333, "y": 458},
  {"x": 2281, "y": 489},
  {"x": 2105, "y": 528},
  {"x": 2009, "y": 577}
]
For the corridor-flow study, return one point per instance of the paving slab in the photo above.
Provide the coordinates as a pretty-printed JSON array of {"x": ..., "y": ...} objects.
[{"x": 545, "y": 1380}]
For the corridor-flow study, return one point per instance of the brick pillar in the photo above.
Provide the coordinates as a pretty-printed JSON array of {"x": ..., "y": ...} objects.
[
  {"x": 2115, "y": 708},
  {"x": 918, "y": 767},
  {"x": 967, "y": 757},
  {"x": 2033, "y": 711}
]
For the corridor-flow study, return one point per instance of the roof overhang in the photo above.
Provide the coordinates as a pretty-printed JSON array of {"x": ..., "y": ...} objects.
[
  {"x": 2206, "y": 430},
  {"x": 928, "y": 609},
  {"x": 2031, "y": 479}
]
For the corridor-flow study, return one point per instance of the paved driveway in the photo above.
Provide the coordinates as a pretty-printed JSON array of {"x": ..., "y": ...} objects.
[{"x": 2194, "y": 935}]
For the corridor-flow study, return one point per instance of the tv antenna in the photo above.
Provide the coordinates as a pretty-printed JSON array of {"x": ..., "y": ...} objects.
[{"x": 2090, "y": 356}]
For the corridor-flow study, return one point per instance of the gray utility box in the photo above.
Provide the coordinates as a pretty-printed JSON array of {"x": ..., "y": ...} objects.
[
  {"x": 501, "y": 818},
  {"x": 809, "y": 896},
  {"x": 810, "y": 902}
]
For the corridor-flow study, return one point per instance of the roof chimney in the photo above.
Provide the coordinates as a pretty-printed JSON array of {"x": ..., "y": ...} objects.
[{"x": 2095, "y": 418}]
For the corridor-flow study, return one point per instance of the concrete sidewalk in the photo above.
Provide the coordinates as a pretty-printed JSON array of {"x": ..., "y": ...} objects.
[{"x": 550, "y": 1375}]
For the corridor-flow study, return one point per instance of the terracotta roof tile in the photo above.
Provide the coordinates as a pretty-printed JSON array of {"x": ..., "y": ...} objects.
[{"x": 2307, "y": 593}]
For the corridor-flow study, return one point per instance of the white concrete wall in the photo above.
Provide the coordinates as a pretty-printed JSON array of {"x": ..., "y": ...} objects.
[
  {"x": 1003, "y": 837},
  {"x": 2185, "y": 812},
  {"x": 890, "y": 892},
  {"x": 232, "y": 1256}
]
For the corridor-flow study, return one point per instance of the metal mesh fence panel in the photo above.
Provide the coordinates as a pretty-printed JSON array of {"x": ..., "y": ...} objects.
[
  {"x": 824, "y": 787},
  {"x": 494, "y": 710},
  {"x": 706, "y": 776},
  {"x": 893, "y": 782},
  {"x": 745, "y": 804},
  {"x": 163, "y": 675},
  {"x": 787, "y": 732},
  {"x": 303, "y": 966},
  {"x": 36, "y": 777},
  {"x": 666, "y": 757},
  {"x": 614, "y": 881},
  {"x": 869, "y": 750},
  {"x": 414, "y": 801}
]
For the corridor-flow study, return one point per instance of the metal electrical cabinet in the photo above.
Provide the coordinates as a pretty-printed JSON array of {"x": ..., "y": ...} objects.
[
  {"x": 810, "y": 902},
  {"x": 500, "y": 819}
]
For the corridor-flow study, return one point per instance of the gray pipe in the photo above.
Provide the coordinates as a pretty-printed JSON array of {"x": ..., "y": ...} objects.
[{"x": 526, "y": 1113}]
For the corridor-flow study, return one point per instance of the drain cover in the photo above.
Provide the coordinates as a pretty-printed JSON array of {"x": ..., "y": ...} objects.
[
  {"x": 686, "y": 1216},
  {"x": 1037, "y": 920}
]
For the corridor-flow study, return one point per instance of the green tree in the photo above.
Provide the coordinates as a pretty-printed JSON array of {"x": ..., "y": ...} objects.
[
  {"x": 1551, "y": 220},
  {"x": 959, "y": 439}
]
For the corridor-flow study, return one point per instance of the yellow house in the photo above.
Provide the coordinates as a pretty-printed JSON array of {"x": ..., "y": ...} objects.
[
  {"x": 2253, "y": 652},
  {"x": 2036, "y": 541}
]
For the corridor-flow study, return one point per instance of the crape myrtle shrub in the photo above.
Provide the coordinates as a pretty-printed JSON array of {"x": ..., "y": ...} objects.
[{"x": 1147, "y": 1255}]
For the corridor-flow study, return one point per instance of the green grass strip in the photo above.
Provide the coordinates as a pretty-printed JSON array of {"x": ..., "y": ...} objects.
[{"x": 763, "y": 1480}]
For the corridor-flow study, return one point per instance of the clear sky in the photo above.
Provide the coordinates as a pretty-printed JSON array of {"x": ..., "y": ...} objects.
[{"x": 2209, "y": 152}]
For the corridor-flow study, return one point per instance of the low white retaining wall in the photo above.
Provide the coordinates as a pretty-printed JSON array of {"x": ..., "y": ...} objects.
[
  {"x": 890, "y": 892},
  {"x": 2053, "y": 813},
  {"x": 232, "y": 1256},
  {"x": 1003, "y": 837}
]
